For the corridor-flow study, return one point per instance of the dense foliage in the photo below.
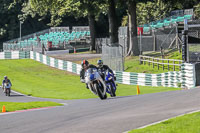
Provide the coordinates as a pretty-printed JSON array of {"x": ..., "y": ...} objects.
[{"x": 103, "y": 15}]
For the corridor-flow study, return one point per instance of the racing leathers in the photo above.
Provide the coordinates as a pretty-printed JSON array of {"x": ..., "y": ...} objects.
[
  {"x": 82, "y": 72},
  {"x": 103, "y": 69},
  {"x": 6, "y": 81}
]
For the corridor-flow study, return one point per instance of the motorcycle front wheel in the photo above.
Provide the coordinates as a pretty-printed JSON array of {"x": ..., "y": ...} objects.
[{"x": 100, "y": 91}]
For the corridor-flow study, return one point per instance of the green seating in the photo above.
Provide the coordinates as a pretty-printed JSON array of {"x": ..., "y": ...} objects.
[
  {"x": 188, "y": 17},
  {"x": 173, "y": 21},
  {"x": 146, "y": 29},
  {"x": 180, "y": 19},
  {"x": 159, "y": 25},
  {"x": 167, "y": 23},
  {"x": 55, "y": 37}
]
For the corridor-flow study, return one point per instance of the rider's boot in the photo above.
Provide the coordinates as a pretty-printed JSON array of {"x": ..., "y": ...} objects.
[{"x": 87, "y": 86}]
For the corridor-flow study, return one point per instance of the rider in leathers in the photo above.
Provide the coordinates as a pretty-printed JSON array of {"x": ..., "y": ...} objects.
[
  {"x": 6, "y": 80},
  {"x": 102, "y": 68},
  {"x": 85, "y": 65}
]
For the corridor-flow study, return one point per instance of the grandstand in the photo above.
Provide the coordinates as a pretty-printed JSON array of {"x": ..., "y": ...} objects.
[
  {"x": 53, "y": 38},
  {"x": 155, "y": 34},
  {"x": 176, "y": 17},
  {"x": 164, "y": 33}
]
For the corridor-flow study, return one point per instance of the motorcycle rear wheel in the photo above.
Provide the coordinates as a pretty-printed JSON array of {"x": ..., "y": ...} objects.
[
  {"x": 7, "y": 92},
  {"x": 112, "y": 91}
]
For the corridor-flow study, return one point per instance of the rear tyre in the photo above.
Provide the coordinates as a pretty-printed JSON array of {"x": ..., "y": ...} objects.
[
  {"x": 112, "y": 91},
  {"x": 8, "y": 92}
]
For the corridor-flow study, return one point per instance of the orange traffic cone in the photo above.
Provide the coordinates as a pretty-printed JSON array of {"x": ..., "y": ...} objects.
[
  {"x": 138, "y": 90},
  {"x": 74, "y": 50},
  {"x": 3, "y": 109}
]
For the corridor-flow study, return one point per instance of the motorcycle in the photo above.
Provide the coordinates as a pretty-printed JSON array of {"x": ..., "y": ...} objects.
[
  {"x": 95, "y": 83},
  {"x": 110, "y": 83},
  {"x": 6, "y": 88}
]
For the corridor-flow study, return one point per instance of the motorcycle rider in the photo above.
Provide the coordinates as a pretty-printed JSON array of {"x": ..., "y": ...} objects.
[
  {"x": 85, "y": 65},
  {"x": 6, "y": 80},
  {"x": 102, "y": 68}
]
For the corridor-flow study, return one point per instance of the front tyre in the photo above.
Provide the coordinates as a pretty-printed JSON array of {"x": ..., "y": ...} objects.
[{"x": 99, "y": 91}]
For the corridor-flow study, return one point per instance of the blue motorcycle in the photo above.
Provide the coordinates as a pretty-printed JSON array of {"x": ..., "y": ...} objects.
[
  {"x": 110, "y": 83},
  {"x": 95, "y": 83}
]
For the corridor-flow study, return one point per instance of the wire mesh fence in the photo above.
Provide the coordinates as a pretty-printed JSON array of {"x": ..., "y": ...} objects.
[
  {"x": 113, "y": 57},
  {"x": 194, "y": 41},
  {"x": 157, "y": 38}
]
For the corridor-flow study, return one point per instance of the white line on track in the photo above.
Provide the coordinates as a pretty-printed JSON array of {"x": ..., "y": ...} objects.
[{"x": 163, "y": 120}]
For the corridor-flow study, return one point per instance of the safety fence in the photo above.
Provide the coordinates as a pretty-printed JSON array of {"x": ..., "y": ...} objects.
[
  {"x": 161, "y": 63},
  {"x": 184, "y": 78},
  {"x": 15, "y": 55},
  {"x": 60, "y": 64}
]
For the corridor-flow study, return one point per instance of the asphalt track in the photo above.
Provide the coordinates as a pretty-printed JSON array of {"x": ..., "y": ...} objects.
[{"x": 114, "y": 115}]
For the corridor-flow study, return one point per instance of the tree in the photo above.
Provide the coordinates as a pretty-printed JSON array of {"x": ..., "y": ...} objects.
[
  {"x": 9, "y": 24},
  {"x": 133, "y": 48},
  {"x": 142, "y": 12},
  {"x": 77, "y": 8},
  {"x": 113, "y": 22},
  {"x": 197, "y": 11}
]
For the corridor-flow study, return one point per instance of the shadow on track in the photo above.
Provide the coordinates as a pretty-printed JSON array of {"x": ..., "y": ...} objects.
[
  {"x": 17, "y": 95},
  {"x": 117, "y": 97}
]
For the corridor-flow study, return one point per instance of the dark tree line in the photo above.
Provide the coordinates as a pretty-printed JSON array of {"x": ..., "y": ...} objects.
[{"x": 103, "y": 16}]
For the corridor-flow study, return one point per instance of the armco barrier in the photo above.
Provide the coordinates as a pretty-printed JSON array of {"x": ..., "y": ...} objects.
[
  {"x": 184, "y": 78},
  {"x": 15, "y": 55},
  {"x": 60, "y": 64},
  {"x": 188, "y": 76}
]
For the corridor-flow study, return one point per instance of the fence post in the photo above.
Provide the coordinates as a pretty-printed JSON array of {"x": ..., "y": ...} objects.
[
  {"x": 153, "y": 62},
  {"x": 154, "y": 42},
  {"x": 168, "y": 64},
  {"x": 149, "y": 61},
  {"x": 173, "y": 65},
  {"x": 158, "y": 63},
  {"x": 163, "y": 64},
  {"x": 140, "y": 60}
]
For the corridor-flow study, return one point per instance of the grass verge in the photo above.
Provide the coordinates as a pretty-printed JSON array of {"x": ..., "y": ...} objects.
[
  {"x": 13, "y": 106},
  {"x": 33, "y": 78},
  {"x": 188, "y": 123},
  {"x": 132, "y": 63}
]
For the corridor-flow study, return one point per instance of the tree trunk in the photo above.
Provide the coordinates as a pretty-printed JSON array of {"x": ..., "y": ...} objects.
[
  {"x": 91, "y": 19},
  {"x": 133, "y": 28},
  {"x": 113, "y": 26}
]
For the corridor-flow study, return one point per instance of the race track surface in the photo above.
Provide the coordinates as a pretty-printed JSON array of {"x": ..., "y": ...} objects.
[{"x": 114, "y": 115}]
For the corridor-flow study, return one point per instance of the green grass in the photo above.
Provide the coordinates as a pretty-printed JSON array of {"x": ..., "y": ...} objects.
[
  {"x": 184, "y": 124},
  {"x": 194, "y": 48},
  {"x": 13, "y": 106},
  {"x": 33, "y": 78},
  {"x": 132, "y": 63}
]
